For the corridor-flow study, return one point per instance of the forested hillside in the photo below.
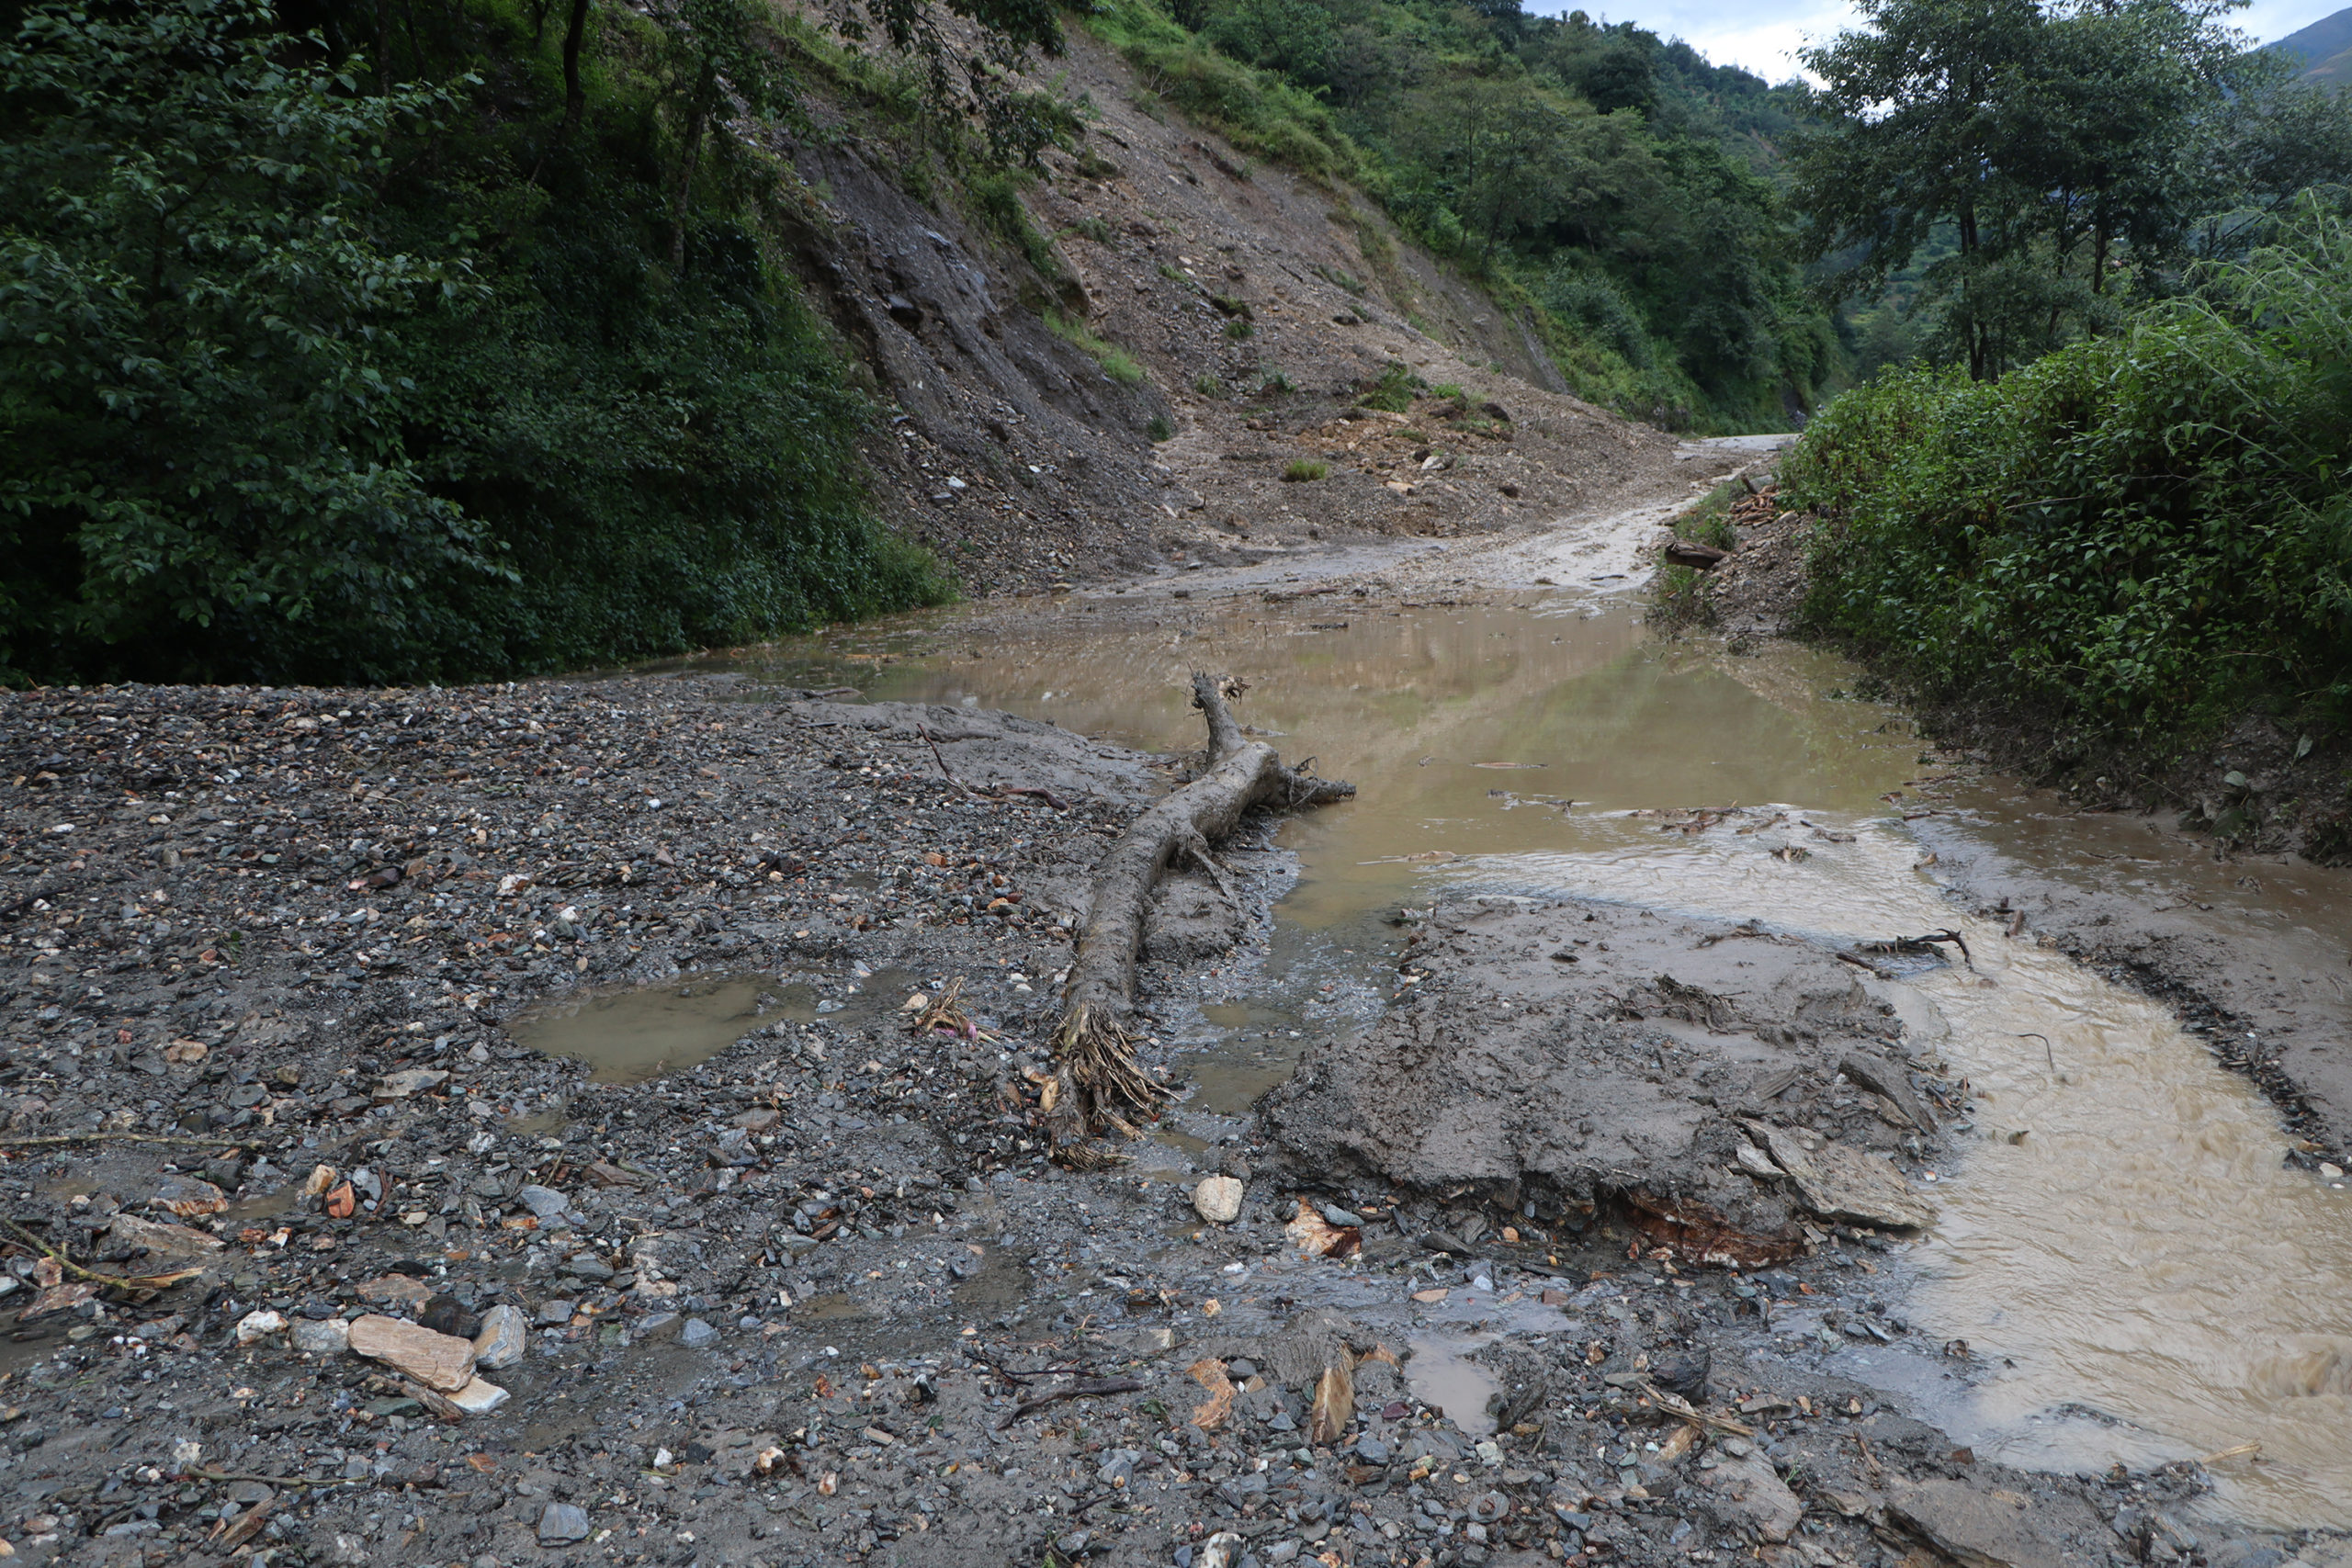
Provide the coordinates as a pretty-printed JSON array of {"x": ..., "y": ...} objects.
[
  {"x": 1618, "y": 185},
  {"x": 2105, "y": 522}
]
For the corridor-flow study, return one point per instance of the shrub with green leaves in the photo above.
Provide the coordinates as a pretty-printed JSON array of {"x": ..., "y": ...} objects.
[
  {"x": 2138, "y": 537},
  {"x": 303, "y": 377}
]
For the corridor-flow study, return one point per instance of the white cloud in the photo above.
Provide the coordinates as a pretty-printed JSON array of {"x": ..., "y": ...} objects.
[{"x": 1764, "y": 37}]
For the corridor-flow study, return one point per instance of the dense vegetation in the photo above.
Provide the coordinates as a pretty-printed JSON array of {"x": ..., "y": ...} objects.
[
  {"x": 2031, "y": 171},
  {"x": 2136, "y": 538},
  {"x": 1614, "y": 186},
  {"x": 460, "y": 349}
]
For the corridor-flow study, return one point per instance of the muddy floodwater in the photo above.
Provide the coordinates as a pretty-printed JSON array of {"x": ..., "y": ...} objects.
[{"x": 2134, "y": 1273}]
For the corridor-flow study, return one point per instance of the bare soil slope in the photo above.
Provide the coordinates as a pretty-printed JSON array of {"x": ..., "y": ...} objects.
[{"x": 1012, "y": 450}]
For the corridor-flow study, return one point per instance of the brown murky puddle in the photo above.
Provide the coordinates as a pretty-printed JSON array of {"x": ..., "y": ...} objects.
[
  {"x": 2138, "y": 1276},
  {"x": 637, "y": 1035}
]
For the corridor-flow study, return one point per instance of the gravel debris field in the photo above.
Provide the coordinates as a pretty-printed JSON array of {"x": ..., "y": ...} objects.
[{"x": 310, "y": 1259}]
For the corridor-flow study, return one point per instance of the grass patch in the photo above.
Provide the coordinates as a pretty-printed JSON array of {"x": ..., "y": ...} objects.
[
  {"x": 1207, "y": 385},
  {"x": 1259, "y": 111},
  {"x": 1709, "y": 523},
  {"x": 1277, "y": 385},
  {"x": 1393, "y": 393},
  {"x": 1304, "y": 470},
  {"x": 1679, "y": 599},
  {"x": 1117, "y": 363},
  {"x": 1160, "y": 430}
]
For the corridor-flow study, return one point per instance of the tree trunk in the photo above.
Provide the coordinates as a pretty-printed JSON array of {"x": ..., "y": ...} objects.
[
  {"x": 1098, "y": 1079},
  {"x": 685, "y": 191},
  {"x": 575, "y": 100}
]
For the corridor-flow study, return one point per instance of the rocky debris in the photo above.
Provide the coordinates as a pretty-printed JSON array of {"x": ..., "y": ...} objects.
[
  {"x": 1218, "y": 1200},
  {"x": 440, "y": 1361},
  {"x": 914, "y": 1334}
]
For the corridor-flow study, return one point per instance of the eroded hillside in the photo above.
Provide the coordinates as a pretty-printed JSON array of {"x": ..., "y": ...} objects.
[{"x": 1259, "y": 309}]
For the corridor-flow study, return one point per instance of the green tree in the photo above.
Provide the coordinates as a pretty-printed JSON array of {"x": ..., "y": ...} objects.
[
  {"x": 199, "y": 424},
  {"x": 2064, "y": 149}
]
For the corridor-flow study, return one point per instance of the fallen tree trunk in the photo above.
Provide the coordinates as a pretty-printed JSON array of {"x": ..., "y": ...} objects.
[{"x": 1097, "y": 1081}]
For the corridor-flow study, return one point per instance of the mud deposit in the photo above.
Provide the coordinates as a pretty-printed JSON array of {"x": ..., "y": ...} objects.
[
  {"x": 2127, "y": 1259},
  {"x": 682, "y": 1036}
]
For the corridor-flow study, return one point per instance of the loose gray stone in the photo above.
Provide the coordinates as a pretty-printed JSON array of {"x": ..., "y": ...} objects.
[
  {"x": 330, "y": 1336},
  {"x": 504, "y": 1337},
  {"x": 696, "y": 1334},
  {"x": 562, "y": 1524},
  {"x": 545, "y": 1201}
]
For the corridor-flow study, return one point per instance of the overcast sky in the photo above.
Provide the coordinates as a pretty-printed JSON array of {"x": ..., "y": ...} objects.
[{"x": 1764, "y": 35}]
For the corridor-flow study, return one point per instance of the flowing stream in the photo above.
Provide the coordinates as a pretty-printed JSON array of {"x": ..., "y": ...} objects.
[{"x": 2138, "y": 1275}]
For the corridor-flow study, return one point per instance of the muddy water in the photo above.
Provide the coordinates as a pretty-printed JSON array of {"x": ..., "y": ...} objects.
[
  {"x": 635, "y": 1035},
  {"x": 2136, "y": 1274}
]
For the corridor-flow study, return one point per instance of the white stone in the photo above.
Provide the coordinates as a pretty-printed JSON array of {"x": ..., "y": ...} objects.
[
  {"x": 479, "y": 1398},
  {"x": 257, "y": 1325},
  {"x": 1218, "y": 1199},
  {"x": 506, "y": 1334}
]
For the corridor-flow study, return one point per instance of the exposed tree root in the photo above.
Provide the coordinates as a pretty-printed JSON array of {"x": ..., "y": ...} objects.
[{"x": 1098, "y": 1081}]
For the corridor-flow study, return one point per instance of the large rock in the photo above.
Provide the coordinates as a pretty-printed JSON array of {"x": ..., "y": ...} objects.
[
  {"x": 1997, "y": 1528},
  {"x": 322, "y": 1336},
  {"x": 162, "y": 1240},
  {"x": 479, "y": 1398},
  {"x": 1748, "y": 1491},
  {"x": 506, "y": 1334},
  {"x": 442, "y": 1362},
  {"x": 1574, "y": 1049},
  {"x": 1218, "y": 1200},
  {"x": 1841, "y": 1183},
  {"x": 561, "y": 1524}
]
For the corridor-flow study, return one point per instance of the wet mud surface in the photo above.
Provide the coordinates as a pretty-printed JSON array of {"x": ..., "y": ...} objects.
[{"x": 798, "y": 1285}]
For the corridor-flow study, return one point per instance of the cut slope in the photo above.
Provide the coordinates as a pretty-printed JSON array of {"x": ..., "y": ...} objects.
[{"x": 1260, "y": 307}]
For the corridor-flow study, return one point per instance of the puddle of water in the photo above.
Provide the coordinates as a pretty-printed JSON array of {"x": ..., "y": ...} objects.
[
  {"x": 1000, "y": 1284},
  {"x": 2139, "y": 1254},
  {"x": 636, "y": 1036},
  {"x": 1439, "y": 1372}
]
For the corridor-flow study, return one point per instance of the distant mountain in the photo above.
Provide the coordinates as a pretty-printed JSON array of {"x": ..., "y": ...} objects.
[{"x": 2325, "y": 48}]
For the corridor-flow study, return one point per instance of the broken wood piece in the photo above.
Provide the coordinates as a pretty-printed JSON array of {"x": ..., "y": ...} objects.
[
  {"x": 1085, "y": 1388},
  {"x": 1099, "y": 1076}
]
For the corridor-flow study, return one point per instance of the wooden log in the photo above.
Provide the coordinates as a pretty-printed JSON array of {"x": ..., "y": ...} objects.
[{"x": 1097, "y": 1081}]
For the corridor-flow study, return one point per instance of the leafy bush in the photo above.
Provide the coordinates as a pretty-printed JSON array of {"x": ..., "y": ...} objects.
[
  {"x": 2140, "y": 535},
  {"x": 1393, "y": 393},
  {"x": 302, "y": 381},
  {"x": 1160, "y": 429}
]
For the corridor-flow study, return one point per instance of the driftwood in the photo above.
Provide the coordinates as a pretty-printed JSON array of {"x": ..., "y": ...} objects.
[{"x": 1097, "y": 1082}]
